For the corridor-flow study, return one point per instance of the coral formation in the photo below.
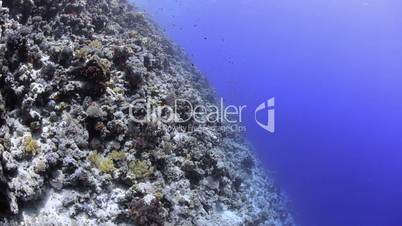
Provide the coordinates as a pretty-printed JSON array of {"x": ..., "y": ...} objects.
[
  {"x": 71, "y": 154},
  {"x": 140, "y": 169},
  {"x": 117, "y": 155},
  {"x": 105, "y": 165},
  {"x": 147, "y": 214},
  {"x": 30, "y": 145}
]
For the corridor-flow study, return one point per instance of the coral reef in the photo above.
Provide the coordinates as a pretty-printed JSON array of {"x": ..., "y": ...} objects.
[{"x": 71, "y": 155}]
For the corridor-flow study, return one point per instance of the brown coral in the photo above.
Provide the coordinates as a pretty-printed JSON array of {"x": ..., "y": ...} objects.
[
  {"x": 96, "y": 72},
  {"x": 147, "y": 215}
]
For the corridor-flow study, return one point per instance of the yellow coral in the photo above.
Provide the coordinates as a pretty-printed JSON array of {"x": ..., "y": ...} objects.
[
  {"x": 94, "y": 158},
  {"x": 141, "y": 169},
  {"x": 81, "y": 53},
  {"x": 105, "y": 165},
  {"x": 118, "y": 90},
  {"x": 105, "y": 65},
  {"x": 96, "y": 44},
  {"x": 30, "y": 145},
  {"x": 117, "y": 155}
]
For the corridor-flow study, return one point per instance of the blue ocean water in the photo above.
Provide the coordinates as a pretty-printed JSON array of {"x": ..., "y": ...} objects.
[{"x": 335, "y": 70}]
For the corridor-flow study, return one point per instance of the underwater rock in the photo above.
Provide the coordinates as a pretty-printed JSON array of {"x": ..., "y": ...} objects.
[
  {"x": 147, "y": 213},
  {"x": 70, "y": 70},
  {"x": 96, "y": 72},
  {"x": 2, "y": 108},
  {"x": 121, "y": 55},
  {"x": 66, "y": 56},
  {"x": 134, "y": 77}
]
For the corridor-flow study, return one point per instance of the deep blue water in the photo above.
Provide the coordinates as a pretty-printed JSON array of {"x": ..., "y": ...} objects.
[{"x": 335, "y": 69}]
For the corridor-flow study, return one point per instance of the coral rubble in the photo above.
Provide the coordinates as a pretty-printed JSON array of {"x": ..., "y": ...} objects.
[{"x": 71, "y": 155}]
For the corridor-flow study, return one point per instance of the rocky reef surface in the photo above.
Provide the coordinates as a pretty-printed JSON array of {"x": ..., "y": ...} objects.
[{"x": 71, "y": 155}]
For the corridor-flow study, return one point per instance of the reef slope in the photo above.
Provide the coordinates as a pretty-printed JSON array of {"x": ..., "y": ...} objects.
[{"x": 71, "y": 155}]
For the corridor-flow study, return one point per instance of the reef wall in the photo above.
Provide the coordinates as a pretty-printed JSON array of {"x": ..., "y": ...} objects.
[{"x": 71, "y": 154}]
